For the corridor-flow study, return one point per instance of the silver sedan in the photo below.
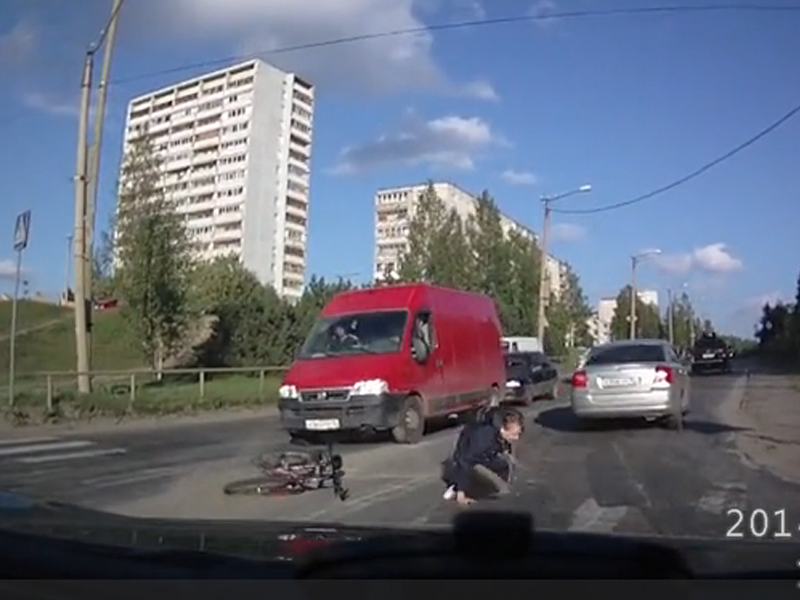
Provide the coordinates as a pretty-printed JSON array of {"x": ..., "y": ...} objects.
[{"x": 632, "y": 379}]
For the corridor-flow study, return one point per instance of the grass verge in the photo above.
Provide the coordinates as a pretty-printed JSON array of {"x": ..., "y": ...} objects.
[
  {"x": 112, "y": 399},
  {"x": 30, "y": 313}
]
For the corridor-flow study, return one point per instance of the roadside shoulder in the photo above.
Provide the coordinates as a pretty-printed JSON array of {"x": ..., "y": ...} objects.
[
  {"x": 108, "y": 424},
  {"x": 765, "y": 409}
]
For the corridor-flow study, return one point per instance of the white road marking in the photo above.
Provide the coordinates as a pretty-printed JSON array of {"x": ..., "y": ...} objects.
[
  {"x": 590, "y": 516},
  {"x": 71, "y": 455},
  {"x": 373, "y": 498},
  {"x": 33, "y": 448},
  {"x": 717, "y": 500},
  {"x": 139, "y": 476},
  {"x": 32, "y": 440}
]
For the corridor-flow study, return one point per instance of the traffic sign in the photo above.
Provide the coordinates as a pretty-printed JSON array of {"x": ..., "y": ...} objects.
[{"x": 22, "y": 229}]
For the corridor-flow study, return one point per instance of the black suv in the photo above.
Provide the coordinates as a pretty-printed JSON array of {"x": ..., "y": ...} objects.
[{"x": 710, "y": 353}]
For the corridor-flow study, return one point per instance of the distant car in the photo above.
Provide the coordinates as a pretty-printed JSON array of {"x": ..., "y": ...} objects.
[
  {"x": 529, "y": 375},
  {"x": 711, "y": 353},
  {"x": 632, "y": 379}
]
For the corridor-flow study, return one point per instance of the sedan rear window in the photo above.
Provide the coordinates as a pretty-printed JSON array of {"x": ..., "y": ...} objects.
[
  {"x": 516, "y": 361},
  {"x": 629, "y": 353}
]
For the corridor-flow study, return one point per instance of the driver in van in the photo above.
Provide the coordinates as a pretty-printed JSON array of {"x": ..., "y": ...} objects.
[{"x": 482, "y": 456}]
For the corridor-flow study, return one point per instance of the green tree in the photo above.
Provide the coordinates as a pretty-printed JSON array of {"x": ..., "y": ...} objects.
[
  {"x": 684, "y": 320},
  {"x": 102, "y": 266},
  {"x": 522, "y": 307},
  {"x": 437, "y": 250},
  {"x": 247, "y": 312},
  {"x": 153, "y": 251},
  {"x": 648, "y": 321},
  {"x": 577, "y": 309}
]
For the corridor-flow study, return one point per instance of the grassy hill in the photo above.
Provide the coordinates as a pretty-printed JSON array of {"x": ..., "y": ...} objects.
[
  {"x": 52, "y": 347},
  {"x": 46, "y": 343},
  {"x": 30, "y": 314}
]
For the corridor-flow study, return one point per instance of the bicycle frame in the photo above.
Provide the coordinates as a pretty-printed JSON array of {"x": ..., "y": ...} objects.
[{"x": 326, "y": 466}]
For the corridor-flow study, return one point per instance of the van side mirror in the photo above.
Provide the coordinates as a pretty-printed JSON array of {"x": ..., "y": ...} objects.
[{"x": 419, "y": 349}]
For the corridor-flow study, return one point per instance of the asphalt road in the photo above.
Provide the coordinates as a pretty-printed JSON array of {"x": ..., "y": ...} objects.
[{"x": 628, "y": 478}]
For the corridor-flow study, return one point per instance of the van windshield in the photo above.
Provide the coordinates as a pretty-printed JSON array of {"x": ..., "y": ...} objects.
[{"x": 358, "y": 333}]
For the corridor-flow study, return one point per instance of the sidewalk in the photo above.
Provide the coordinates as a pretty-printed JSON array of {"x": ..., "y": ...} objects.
[
  {"x": 111, "y": 425},
  {"x": 769, "y": 413}
]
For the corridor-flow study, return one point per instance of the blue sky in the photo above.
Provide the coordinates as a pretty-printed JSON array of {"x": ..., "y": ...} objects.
[{"x": 626, "y": 104}]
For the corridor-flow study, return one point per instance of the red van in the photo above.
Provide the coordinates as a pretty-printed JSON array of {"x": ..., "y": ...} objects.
[{"x": 393, "y": 357}]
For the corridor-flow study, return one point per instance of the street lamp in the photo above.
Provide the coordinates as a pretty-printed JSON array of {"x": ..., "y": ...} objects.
[
  {"x": 544, "y": 289},
  {"x": 635, "y": 259}
]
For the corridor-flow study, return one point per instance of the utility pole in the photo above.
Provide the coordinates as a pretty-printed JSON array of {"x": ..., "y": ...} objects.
[
  {"x": 634, "y": 295},
  {"x": 94, "y": 169},
  {"x": 22, "y": 229},
  {"x": 544, "y": 287},
  {"x": 670, "y": 317},
  {"x": 633, "y": 299},
  {"x": 67, "y": 268},
  {"x": 81, "y": 310}
]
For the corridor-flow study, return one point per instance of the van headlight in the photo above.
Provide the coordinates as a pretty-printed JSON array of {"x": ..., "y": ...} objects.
[
  {"x": 370, "y": 387},
  {"x": 287, "y": 392}
]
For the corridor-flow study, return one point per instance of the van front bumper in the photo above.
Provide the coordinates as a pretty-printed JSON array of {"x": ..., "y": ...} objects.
[{"x": 376, "y": 412}]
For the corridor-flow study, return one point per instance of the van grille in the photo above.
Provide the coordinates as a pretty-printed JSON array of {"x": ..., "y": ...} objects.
[{"x": 324, "y": 395}]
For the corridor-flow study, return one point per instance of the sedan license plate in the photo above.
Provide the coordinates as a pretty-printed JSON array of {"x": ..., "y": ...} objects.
[
  {"x": 708, "y": 355},
  {"x": 512, "y": 384},
  {"x": 618, "y": 382},
  {"x": 322, "y": 424}
]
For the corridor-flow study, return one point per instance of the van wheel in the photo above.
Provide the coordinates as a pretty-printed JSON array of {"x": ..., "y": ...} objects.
[{"x": 411, "y": 427}]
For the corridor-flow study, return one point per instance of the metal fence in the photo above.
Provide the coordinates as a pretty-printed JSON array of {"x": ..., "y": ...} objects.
[{"x": 50, "y": 386}]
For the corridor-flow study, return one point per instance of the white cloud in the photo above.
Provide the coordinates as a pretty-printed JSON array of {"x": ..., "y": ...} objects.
[
  {"x": 377, "y": 65},
  {"x": 469, "y": 9},
  {"x": 8, "y": 269},
  {"x": 448, "y": 142},
  {"x": 543, "y": 9},
  {"x": 480, "y": 89},
  {"x": 512, "y": 177},
  {"x": 758, "y": 301},
  {"x": 18, "y": 45},
  {"x": 567, "y": 232},
  {"x": 51, "y": 105},
  {"x": 714, "y": 258}
]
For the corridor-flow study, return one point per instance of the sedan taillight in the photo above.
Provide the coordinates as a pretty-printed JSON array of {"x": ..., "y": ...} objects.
[
  {"x": 579, "y": 379},
  {"x": 663, "y": 374}
]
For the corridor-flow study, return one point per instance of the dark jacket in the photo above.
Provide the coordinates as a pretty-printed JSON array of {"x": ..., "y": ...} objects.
[{"x": 478, "y": 444}]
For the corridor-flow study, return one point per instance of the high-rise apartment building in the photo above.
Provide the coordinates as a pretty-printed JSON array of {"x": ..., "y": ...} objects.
[
  {"x": 236, "y": 148},
  {"x": 395, "y": 207}
]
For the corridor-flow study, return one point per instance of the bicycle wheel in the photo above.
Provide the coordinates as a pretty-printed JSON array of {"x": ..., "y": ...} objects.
[{"x": 264, "y": 486}]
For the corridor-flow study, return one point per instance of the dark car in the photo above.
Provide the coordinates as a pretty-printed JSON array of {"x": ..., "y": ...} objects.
[
  {"x": 529, "y": 375},
  {"x": 710, "y": 353}
]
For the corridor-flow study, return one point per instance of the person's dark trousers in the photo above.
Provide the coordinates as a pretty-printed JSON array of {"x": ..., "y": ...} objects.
[{"x": 488, "y": 482}]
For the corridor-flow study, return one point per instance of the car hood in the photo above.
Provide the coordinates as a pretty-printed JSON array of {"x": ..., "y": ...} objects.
[
  {"x": 259, "y": 539},
  {"x": 344, "y": 371}
]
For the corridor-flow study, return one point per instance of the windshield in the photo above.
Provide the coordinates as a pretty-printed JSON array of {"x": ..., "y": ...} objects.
[
  {"x": 197, "y": 195},
  {"x": 517, "y": 360},
  {"x": 629, "y": 353},
  {"x": 365, "y": 333},
  {"x": 710, "y": 342}
]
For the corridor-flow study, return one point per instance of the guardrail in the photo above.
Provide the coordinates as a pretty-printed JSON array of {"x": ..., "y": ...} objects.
[
  {"x": 50, "y": 386},
  {"x": 257, "y": 382}
]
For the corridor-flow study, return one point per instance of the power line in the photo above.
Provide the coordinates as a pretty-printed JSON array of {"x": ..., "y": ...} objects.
[
  {"x": 575, "y": 14},
  {"x": 686, "y": 178}
]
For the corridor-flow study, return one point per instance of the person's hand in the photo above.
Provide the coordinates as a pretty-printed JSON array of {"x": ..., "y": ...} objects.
[{"x": 463, "y": 500}]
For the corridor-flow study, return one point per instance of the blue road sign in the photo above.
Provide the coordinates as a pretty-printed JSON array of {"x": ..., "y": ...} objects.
[{"x": 22, "y": 230}]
